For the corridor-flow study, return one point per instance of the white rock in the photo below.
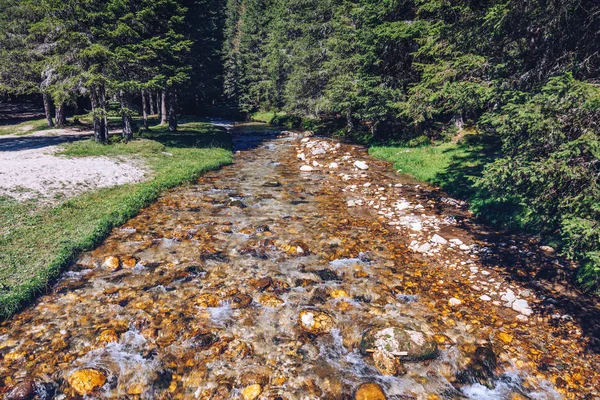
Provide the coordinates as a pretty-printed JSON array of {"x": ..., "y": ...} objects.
[
  {"x": 508, "y": 297},
  {"x": 547, "y": 249},
  {"x": 305, "y": 140},
  {"x": 361, "y": 165},
  {"x": 351, "y": 203},
  {"x": 301, "y": 156},
  {"x": 457, "y": 242},
  {"x": 521, "y": 306},
  {"x": 333, "y": 165},
  {"x": 453, "y": 302},
  {"x": 424, "y": 248},
  {"x": 437, "y": 239},
  {"x": 315, "y": 164},
  {"x": 416, "y": 226},
  {"x": 485, "y": 297},
  {"x": 402, "y": 205},
  {"x": 306, "y": 168},
  {"x": 464, "y": 247},
  {"x": 522, "y": 318}
]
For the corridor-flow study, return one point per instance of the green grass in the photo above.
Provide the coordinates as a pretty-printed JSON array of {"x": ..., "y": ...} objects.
[
  {"x": 424, "y": 163},
  {"x": 264, "y": 116},
  {"x": 24, "y": 128},
  {"x": 37, "y": 243}
]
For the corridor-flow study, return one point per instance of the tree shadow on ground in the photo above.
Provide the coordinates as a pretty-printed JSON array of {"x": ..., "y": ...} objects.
[{"x": 516, "y": 252}]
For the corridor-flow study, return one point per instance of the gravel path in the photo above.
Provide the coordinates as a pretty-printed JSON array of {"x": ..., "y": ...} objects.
[{"x": 31, "y": 169}]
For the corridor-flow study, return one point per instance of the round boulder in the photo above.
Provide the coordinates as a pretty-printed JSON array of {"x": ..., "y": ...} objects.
[{"x": 407, "y": 342}]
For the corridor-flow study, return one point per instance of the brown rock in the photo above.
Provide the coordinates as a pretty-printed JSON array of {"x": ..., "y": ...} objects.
[
  {"x": 238, "y": 349},
  {"x": 387, "y": 364},
  {"x": 112, "y": 263},
  {"x": 369, "y": 391},
  {"x": 24, "y": 390},
  {"x": 270, "y": 300},
  {"x": 262, "y": 283},
  {"x": 128, "y": 262},
  {"x": 207, "y": 300},
  {"x": 85, "y": 381},
  {"x": 241, "y": 301},
  {"x": 315, "y": 322},
  {"x": 298, "y": 248}
]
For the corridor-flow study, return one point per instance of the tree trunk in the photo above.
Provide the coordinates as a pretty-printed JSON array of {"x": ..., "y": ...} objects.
[
  {"x": 459, "y": 122},
  {"x": 98, "y": 119},
  {"x": 61, "y": 119},
  {"x": 151, "y": 98},
  {"x": 163, "y": 107},
  {"x": 126, "y": 116},
  {"x": 47, "y": 111},
  {"x": 145, "y": 109},
  {"x": 104, "y": 110},
  {"x": 172, "y": 110},
  {"x": 349, "y": 122}
]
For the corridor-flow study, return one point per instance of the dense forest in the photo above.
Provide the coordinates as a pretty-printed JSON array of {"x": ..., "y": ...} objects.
[{"x": 522, "y": 75}]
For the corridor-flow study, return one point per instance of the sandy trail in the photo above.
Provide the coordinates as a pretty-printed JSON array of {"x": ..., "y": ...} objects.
[{"x": 31, "y": 169}]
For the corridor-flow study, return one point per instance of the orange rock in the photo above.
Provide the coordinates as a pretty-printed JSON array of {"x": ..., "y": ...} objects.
[
  {"x": 107, "y": 336},
  {"x": 128, "y": 262},
  {"x": 505, "y": 337},
  {"x": 369, "y": 391},
  {"x": 315, "y": 322},
  {"x": 112, "y": 263},
  {"x": 251, "y": 392},
  {"x": 85, "y": 381}
]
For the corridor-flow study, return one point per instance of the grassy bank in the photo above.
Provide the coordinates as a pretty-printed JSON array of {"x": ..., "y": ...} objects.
[
  {"x": 37, "y": 242},
  {"x": 455, "y": 167},
  {"x": 24, "y": 128}
]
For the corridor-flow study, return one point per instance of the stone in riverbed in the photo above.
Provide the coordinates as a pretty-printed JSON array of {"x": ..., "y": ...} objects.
[
  {"x": 128, "y": 262},
  {"x": 85, "y": 381},
  {"x": 315, "y": 322},
  {"x": 407, "y": 342},
  {"x": 453, "y": 302},
  {"x": 521, "y": 306},
  {"x": 270, "y": 301},
  {"x": 112, "y": 263},
  {"x": 306, "y": 168},
  {"x": 272, "y": 184},
  {"x": 437, "y": 239},
  {"x": 369, "y": 391},
  {"x": 387, "y": 364},
  {"x": 107, "y": 336},
  {"x": 24, "y": 390},
  {"x": 361, "y": 165},
  {"x": 251, "y": 392},
  {"x": 241, "y": 301}
]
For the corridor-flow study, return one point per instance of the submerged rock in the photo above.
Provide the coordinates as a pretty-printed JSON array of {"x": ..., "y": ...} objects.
[
  {"x": 85, "y": 381},
  {"x": 112, "y": 263},
  {"x": 315, "y": 322},
  {"x": 406, "y": 342},
  {"x": 369, "y": 391},
  {"x": 251, "y": 392},
  {"x": 24, "y": 390},
  {"x": 361, "y": 165}
]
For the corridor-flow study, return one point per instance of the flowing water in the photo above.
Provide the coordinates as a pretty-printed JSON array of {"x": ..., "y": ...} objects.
[{"x": 259, "y": 281}]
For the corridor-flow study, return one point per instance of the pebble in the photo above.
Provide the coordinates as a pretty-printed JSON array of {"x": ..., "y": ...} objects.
[
  {"x": 251, "y": 392},
  {"x": 369, "y": 391},
  {"x": 485, "y": 297},
  {"x": 361, "y": 165},
  {"x": 453, "y": 302},
  {"x": 112, "y": 263},
  {"x": 85, "y": 381},
  {"x": 437, "y": 239},
  {"x": 315, "y": 322},
  {"x": 521, "y": 306},
  {"x": 306, "y": 168}
]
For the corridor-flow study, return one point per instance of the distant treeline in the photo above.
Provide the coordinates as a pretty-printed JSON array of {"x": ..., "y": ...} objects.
[
  {"x": 526, "y": 72},
  {"x": 147, "y": 55}
]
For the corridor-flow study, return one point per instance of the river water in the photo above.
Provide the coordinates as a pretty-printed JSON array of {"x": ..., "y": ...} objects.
[{"x": 262, "y": 281}]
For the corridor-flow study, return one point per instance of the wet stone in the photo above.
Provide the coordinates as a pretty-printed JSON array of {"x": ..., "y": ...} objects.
[
  {"x": 112, "y": 263},
  {"x": 262, "y": 284},
  {"x": 406, "y": 342},
  {"x": 24, "y": 390},
  {"x": 86, "y": 381},
  {"x": 315, "y": 322},
  {"x": 369, "y": 391},
  {"x": 272, "y": 184},
  {"x": 327, "y": 275},
  {"x": 241, "y": 301}
]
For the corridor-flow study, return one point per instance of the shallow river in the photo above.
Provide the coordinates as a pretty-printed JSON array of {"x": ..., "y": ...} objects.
[{"x": 262, "y": 281}]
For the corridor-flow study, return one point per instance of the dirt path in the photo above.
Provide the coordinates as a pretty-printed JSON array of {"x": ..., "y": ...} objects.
[
  {"x": 31, "y": 169},
  {"x": 306, "y": 270}
]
